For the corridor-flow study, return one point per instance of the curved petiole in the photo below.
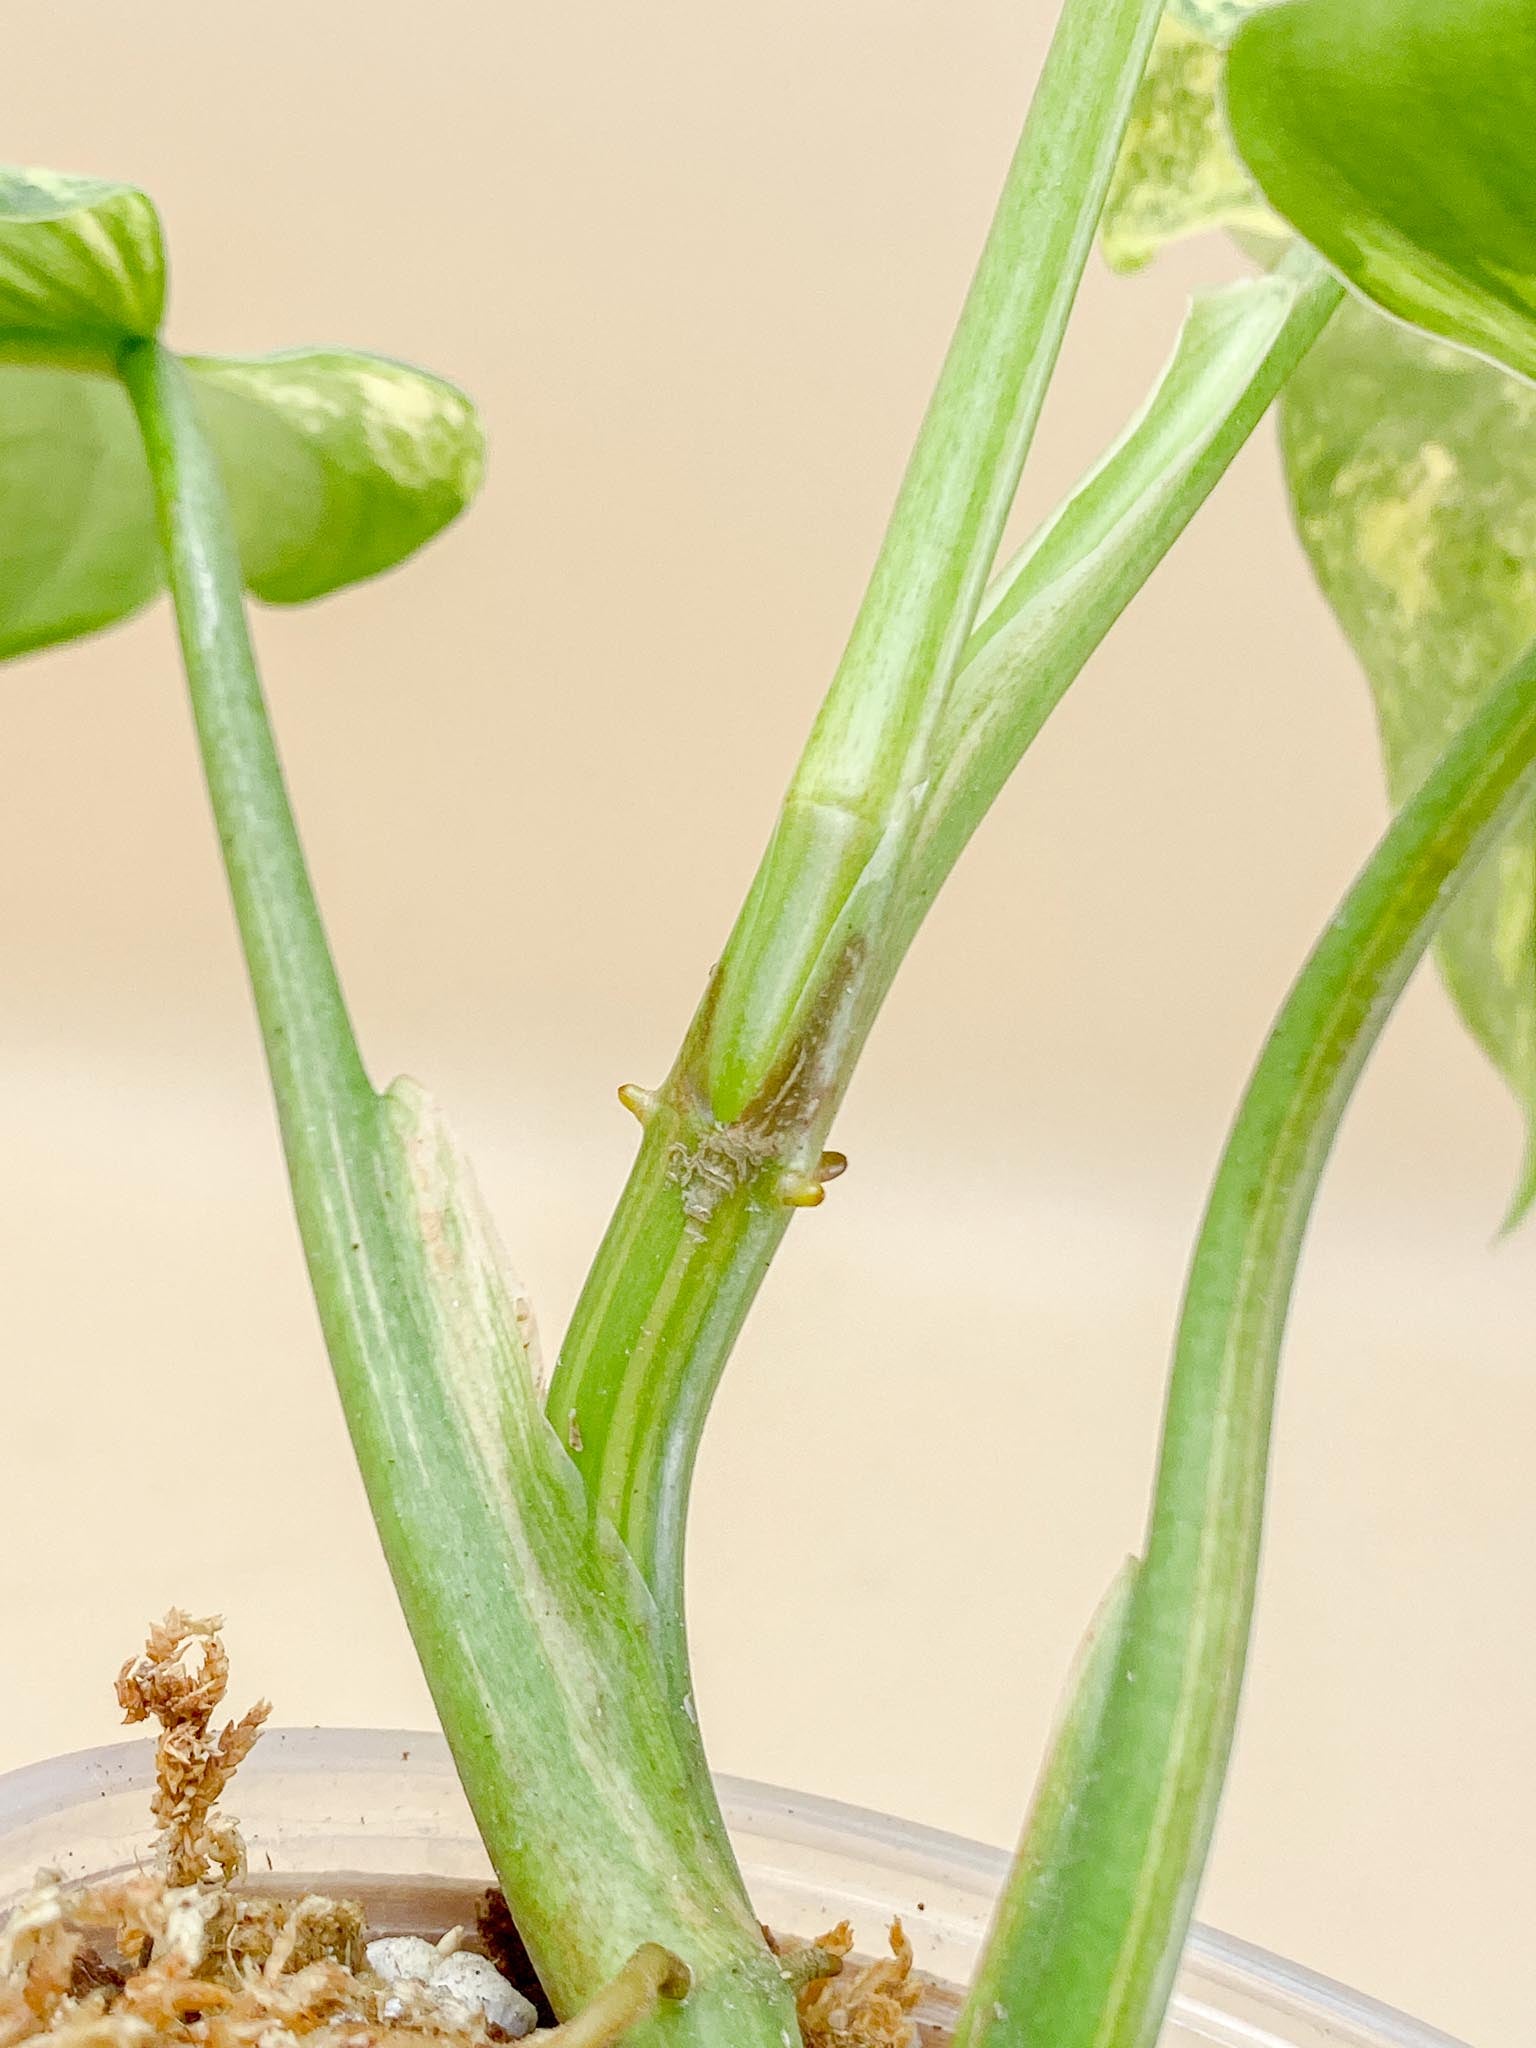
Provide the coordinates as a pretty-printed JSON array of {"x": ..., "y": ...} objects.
[{"x": 1088, "y": 1961}]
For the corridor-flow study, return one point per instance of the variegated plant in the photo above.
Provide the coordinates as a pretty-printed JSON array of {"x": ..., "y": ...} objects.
[{"x": 536, "y": 1537}]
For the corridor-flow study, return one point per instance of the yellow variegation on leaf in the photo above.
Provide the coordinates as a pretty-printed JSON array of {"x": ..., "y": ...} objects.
[{"x": 338, "y": 464}]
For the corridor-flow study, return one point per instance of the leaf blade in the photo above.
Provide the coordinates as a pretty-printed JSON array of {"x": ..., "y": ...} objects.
[
  {"x": 77, "y": 540},
  {"x": 339, "y": 466},
  {"x": 1178, "y": 174},
  {"x": 82, "y": 263},
  {"x": 1412, "y": 473},
  {"x": 339, "y": 463},
  {"x": 1399, "y": 137}
]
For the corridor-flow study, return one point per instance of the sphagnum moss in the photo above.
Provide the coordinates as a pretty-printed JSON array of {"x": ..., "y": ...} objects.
[{"x": 182, "y": 1955}]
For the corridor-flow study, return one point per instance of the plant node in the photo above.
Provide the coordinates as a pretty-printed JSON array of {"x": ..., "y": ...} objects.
[{"x": 721, "y": 1162}]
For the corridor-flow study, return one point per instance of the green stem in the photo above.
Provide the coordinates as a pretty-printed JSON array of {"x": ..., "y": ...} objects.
[
  {"x": 773, "y": 1046},
  {"x": 580, "y": 1759},
  {"x": 645, "y": 1352},
  {"x": 659, "y": 1315},
  {"x": 1090, "y": 1961}
]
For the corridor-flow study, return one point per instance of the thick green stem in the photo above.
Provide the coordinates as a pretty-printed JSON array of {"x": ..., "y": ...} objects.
[
  {"x": 666, "y": 1296},
  {"x": 1086, "y": 1959},
  {"x": 645, "y": 1350},
  {"x": 537, "y": 1636},
  {"x": 772, "y": 1050}
]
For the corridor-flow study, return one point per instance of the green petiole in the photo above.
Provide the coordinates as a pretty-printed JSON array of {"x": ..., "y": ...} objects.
[
  {"x": 536, "y": 1633},
  {"x": 816, "y": 909},
  {"x": 1087, "y": 1960}
]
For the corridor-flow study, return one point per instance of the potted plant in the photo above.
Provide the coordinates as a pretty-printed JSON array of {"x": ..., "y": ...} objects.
[{"x": 536, "y": 1533}]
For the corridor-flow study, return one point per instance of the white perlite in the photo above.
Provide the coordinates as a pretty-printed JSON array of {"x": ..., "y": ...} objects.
[
  {"x": 457, "y": 1981},
  {"x": 403, "y": 1957}
]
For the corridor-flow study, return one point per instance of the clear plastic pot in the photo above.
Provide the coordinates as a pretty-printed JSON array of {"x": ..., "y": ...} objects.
[{"x": 383, "y": 1812}]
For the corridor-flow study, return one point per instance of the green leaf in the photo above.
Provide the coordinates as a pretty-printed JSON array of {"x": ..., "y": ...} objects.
[
  {"x": 1412, "y": 468},
  {"x": 77, "y": 531},
  {"x": 338, "y": 465},
  {"x": 82, "y": 264},
  {"x": 1399, "y": 137},
  {"x": 1216, "y": 20},
  {"x": 1178, "y": 174}
]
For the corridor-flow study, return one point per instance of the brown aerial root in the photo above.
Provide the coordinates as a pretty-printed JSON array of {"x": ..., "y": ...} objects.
[
  {"x": 642, "y": 1103},
  {"x": 798, "y": 1190}
]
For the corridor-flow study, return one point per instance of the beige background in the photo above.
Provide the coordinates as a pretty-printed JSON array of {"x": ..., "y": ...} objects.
[{"x": 698, "y": 263}]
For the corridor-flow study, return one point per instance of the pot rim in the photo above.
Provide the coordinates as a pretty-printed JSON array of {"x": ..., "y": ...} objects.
[{"x": 31, "y": 1791}]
